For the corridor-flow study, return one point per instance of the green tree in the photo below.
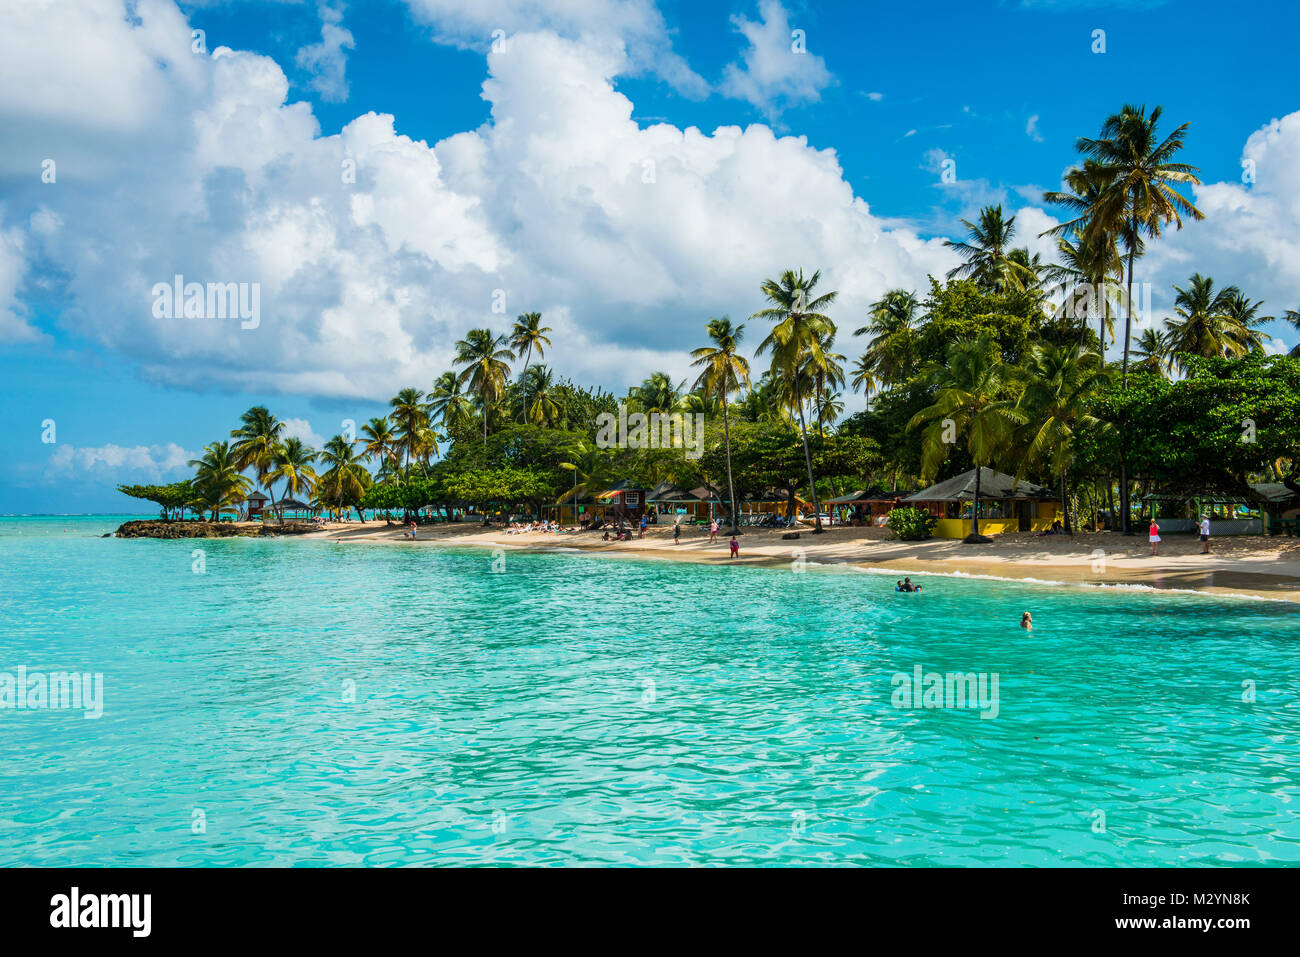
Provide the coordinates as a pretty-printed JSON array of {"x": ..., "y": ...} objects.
[
  {"x": 987, "y": 253},
  {"x": 484, "y": 359},
  {"x": 293, "y": 466},
  {"x": 723, "y": 371},
  {"x": 218, "y": 481},
  {"x": 257, "y": 444},
  {"x": 529, "y": 334}
]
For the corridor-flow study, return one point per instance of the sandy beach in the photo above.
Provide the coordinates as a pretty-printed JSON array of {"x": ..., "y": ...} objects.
[{"x": 1242, "y": 564}]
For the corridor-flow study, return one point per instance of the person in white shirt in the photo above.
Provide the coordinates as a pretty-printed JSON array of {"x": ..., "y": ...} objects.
[{"x": 1205, "y": 534}]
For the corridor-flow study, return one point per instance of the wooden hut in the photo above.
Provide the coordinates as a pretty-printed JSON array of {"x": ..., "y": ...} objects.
[
  {"x": 868, "y": 506},
  {"x": 254, "y": 505}
]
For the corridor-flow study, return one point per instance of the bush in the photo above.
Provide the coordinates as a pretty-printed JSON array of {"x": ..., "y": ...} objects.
[{"x": 911, "y": 524}]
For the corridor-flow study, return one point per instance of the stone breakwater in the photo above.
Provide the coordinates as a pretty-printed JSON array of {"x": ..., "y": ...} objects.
[{"x": 161, "y": 529}]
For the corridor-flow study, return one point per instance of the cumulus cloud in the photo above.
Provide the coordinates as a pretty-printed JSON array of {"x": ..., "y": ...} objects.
[
  {"x": 124, "y": 464},
  {"x": 13, "y": 265},
  {"x": 777, "y": 71},
  {"x": 301, "y": 429},
  {"x": 327, "y": 60}
]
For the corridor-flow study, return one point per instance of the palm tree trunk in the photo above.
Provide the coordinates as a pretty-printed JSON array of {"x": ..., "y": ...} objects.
[
  {"x": 1128, "y": 328},
  {"x": 975, "y": 505},
  {"x": 807, "y": 457},
  {"x": 1065, "y": 506},
  {"x": 523, "y": 381},
  {"x": 731, "y": 485}
]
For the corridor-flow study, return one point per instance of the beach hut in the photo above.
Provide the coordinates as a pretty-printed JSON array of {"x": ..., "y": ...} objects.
[
  {"x": 1281, "y": 506},
  {"x": 293, "y": 510},
  {"x": 624, "y": 501},
  {"x": 1005, "y": 504},
  {"x": 869, "y": 506},
  {"x": 254, "y": 505},
  {"x": 669, "y": 499},
  {"x": 1234, "y": 508}
]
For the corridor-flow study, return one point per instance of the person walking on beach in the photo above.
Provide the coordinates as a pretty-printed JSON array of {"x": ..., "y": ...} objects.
[
  {"x": 735, "y": 547},
  {"x": 1153, "y": 535},
  {"x": 713, "y": 531},
  {"x": 412, "y": 529},
  {"x": 1205, "y": 534},
  {"x": 677, "y": 530},
  {"x": 644, "y": 522}
]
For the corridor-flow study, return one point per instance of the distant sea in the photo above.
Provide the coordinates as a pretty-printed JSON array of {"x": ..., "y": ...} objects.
[{"x": 290, "y": 702}]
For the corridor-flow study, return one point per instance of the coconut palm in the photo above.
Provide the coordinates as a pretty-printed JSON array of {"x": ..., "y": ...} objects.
[
  {"x": 1293, "y": 316},
  {"x": 656, "y": 394},
  {"x": 217, "y": 478},
  {"x": 1151, "y": 354},
  {"x": 293, "y": 466},
  {"x": 970, "y": 400},
  {"x": 448, "y": 405},
  {"x": 723, "y": 371},
  {"x": 1211, "y": 323},
  {"x": 528, "y": 334},
  {"x": 345, "y": 478},
  {"x": 411, "y": 417},
  {"x": 544, "y": 409},
  {"x": 485, "y": 360},
  {"x": 890, "y": 358},
  {"x": 1058, "y": 383},
  {"x": 380, "y": 440},
  {"x": 257, "y": 443},
  {"x": 1138, "y": 198},
  {"x": 800, "y": 330},
  {"x": 1244, "y": 315},
  {"x": 987, "y": 253}
]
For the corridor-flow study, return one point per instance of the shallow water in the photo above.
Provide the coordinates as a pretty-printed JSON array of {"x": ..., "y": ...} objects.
[{"x": 309, "y": 703}]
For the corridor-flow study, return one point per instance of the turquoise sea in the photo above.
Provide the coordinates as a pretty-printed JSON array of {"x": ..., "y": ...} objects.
[{"x": 304, "y": 703}]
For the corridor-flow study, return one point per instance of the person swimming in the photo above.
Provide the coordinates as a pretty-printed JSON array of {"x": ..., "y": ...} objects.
[{"x": 1027, "y": 621}]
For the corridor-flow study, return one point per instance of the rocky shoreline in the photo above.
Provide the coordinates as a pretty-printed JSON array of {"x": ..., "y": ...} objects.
[{"x": 159, "y": 529}]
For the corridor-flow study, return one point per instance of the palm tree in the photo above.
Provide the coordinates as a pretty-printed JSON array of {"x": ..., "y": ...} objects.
[
  {"x": 800, "y": 329},
  {"x": 1058, "y": 382},
  {"x": 293, "y": 462},
  {"x": 724, "y": 371},
  {"x": 217, "y": 479},
  {"x": 411, "y": 416},
  {"x": 969, "y": 397},
  {"x": 380, "y": 440},
  {"x": 448, "y": 405},
  {"x": 657, "y": 393},
  {"x": 345, "y": 478},
  {"x": 544, "y": 409},
  {"x": 987, "y": 253},
  {"x": 591, "y": 470},
  {"x": 1213, "y": 323},
  {"x": 1151, "y": 354},
  {"x": 824, "y": 373},
  {"x": 258, "y": 441},
  {"x": 1088, "y": 259},
  {"x": 528, "y": 334},
  {"x": 1136, "y": 202},
  {"x": 1293, "y": 316},
  {"x": 890, "y": 358},
  {"x": 1138, "y": 198},
  {"x": 486, "y": 365}
]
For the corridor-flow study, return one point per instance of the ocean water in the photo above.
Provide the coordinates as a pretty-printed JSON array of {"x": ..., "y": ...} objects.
[{"x": 304, "y": 703}]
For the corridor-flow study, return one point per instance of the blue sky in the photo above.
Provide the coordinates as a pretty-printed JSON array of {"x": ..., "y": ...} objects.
[{"x": 518, "y": 169}]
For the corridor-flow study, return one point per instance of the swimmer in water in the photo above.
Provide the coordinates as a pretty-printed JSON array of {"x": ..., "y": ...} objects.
[{"x": 1027, "y": 621}]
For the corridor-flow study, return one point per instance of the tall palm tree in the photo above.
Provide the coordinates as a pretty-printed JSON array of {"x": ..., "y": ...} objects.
[
  {"x": 293, "y": 466},
  {"x": 825, "y": 374},
  {"x": 1245, "y": 317},
  {"x": 1136, "y": 202},
  {"x": 1151, "y": 354},
  {"x": 485, "y": 360},
  {"x": 800, "y": 329},
  {"x": 380, "y": 440},
  {"x": 217, "y": 478},
  {"x": 890, "y": 358},
  {"x": 987, "y": 253},
  {"x": 411, "y": 415},
  {"x": 345, "y": 478},
  {"x": 1058, "y": 382},
  {"x": 257, "y": 443},
  {"x": 970, "y": 396},
  {"x": 528, "y": 334},
  {"x": 724, "y": 370},
  {"x": 1087, "y": 259},
  {"x": 1138, "y": 199}
]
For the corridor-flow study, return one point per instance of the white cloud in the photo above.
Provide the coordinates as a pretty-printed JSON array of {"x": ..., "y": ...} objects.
[
  {"x": 778, "y": 70},
  {"x": 301, "y": 429},
  {"x": 1031, "y": 129},
  {"x": 327, "y": 61},
  {"x": 874, "y": 97},
  {"x": 13, "y": 266},
  {"x": 123, "y": 464}
]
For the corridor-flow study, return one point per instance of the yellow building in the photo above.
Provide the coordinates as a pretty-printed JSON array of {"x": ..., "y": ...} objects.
[{"x": 1005, "y": 505}]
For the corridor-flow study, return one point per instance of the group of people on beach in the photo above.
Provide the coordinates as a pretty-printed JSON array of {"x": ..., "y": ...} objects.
[
  {"x": 521, "y": 528},
  {"x": 1153, "y": 535}
]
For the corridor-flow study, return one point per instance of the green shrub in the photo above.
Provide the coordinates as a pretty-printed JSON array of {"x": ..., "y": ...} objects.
[{"x": 911, "y": 524}]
